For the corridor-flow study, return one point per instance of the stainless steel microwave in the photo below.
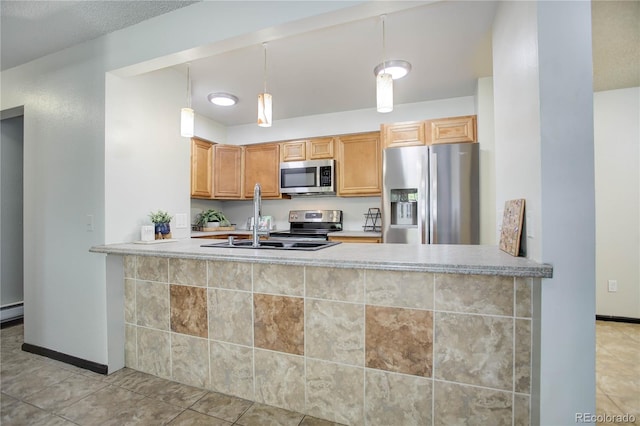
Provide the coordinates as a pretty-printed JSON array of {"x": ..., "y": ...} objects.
[{"x": 313, "y": 177}]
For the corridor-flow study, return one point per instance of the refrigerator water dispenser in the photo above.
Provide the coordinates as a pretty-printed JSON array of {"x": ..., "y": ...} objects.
[{"x": 404, "y": 206}]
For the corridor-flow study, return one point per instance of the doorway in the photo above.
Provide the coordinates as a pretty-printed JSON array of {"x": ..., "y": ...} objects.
[{"x": 11, "y": 215}]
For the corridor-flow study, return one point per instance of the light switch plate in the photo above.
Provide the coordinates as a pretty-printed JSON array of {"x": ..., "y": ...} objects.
[{"x": 181, "y": 220}]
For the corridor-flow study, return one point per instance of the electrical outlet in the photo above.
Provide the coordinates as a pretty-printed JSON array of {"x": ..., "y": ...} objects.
[
  {"x": 529, "y": 226},
  {"x": 612, "y": 286}
]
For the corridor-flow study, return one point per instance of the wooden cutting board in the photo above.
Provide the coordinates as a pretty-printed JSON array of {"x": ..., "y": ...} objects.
[
  {"x": 512, "y": 222},
  {"x": 219, "y": 228}
]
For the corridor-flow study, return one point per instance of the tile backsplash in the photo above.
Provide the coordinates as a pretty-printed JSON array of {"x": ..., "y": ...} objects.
[{"x": 354, "y": 209}]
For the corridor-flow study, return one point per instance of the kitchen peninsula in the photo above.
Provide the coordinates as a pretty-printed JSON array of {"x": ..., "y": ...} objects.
[{"x": 358, "y": 334}]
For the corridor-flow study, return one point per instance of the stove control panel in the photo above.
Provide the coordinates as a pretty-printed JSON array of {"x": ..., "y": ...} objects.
[{"x": 311, "y": 216}]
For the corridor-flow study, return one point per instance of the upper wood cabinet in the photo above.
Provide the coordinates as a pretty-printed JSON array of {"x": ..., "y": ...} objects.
[
  {"x": 294, "y": 150},
  {"x": 409, "y": 133},
  {"x": 262, "y": 165},
  {"x": 362, "y": 239},
  {"x": 201, "y": 168},
  {"x": 451, "y": 130},
  {"x": 311, "y": 149},
  {"x": 320, "y": 148},
  {"x": 359, "y": 161},
  {"x": 227, "y": 171}
]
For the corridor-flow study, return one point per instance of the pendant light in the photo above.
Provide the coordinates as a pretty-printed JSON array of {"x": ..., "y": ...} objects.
[
  {"x": 384, "y": 80},
  {"x": 265, "y": 104},
  {"x": 187, "y": 116}
]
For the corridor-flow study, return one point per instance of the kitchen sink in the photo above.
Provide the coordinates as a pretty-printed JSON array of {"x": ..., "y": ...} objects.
[{"x": 276, "y": 245}]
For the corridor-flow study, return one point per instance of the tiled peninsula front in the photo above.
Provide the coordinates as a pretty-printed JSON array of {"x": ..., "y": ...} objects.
[{"x": 354, "y": 345}]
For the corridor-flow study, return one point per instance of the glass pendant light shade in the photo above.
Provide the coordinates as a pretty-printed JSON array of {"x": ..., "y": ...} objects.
[
  {"x": 187, "y": 122},
  {"x": 187, "y": 116},
  {"x": 384, "y": 92},
  {"x": 265, "y": 107},
  {"x": 265, "y": 103}
]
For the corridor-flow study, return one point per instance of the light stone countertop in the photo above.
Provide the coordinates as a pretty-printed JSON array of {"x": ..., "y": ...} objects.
[{"x": 456, "y": 259}]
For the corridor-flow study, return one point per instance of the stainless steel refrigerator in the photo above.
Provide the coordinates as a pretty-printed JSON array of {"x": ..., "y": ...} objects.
[{"x": 430, "y": 194}]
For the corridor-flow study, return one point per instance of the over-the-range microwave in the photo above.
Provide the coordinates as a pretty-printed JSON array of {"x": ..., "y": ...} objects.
[{"x": 312, "y": 177}]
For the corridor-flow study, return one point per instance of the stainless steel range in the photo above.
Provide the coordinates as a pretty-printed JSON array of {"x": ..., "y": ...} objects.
[{"x": 311, "y": 225}]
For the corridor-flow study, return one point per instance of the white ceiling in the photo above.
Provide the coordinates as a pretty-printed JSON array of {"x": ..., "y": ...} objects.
[
  {"x": 331, "y": 69},
  {"x": 30, "y": 29}
]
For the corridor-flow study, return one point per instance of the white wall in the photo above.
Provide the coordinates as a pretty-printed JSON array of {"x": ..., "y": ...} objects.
[
  {"x": 517, "y": 113},
  {"x": 486, "y": 137},
  {"x": 63, "y": 98},
  {"x": 363, "y": 120},
  {"x": 207, "y": 129},
  {"x": 544, "y": 145},
  {"x": 568, "y": 215},
  {"x": 147, "y": 162},
  {"x": 617, "y": 166}
]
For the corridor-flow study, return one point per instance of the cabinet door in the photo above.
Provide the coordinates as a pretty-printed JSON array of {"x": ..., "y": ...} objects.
[
  {"x": 320, "y": 149},
  {"x": 451, "y": 130},
  {"x": 227, "y": 173},
  {"x": 262, "y": 165},
  {"x": 374, "y": 240},
  {"x": 294, "y": 151},
  {"x": 359, "y": 165},
  {"x": 409, "y": 133},
  {"x": 201, "y": 168}
]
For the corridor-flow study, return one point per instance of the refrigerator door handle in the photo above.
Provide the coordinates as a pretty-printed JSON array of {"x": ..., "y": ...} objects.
[{"x": 433, "y": 199}]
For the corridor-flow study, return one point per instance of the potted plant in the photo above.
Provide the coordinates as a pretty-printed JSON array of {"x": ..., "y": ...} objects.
[
  {"x": 211, "y": 218},
  {"x": 161, "y": 220}
]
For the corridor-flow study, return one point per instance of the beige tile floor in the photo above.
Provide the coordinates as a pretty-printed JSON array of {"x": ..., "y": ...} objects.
[
  {"x": 41, "y": 391},
  {"x": 618, "y": 370}
]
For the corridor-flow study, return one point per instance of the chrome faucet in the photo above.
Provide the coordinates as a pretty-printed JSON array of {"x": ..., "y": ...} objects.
[{"x": 257, "y": 207}]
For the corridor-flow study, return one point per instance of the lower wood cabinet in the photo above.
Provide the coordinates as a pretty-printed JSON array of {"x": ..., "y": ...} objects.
[
  {"x": 262, "y": 165},
  {"x": 356, "y": 239},
  {"x": 359, "y": 163}
]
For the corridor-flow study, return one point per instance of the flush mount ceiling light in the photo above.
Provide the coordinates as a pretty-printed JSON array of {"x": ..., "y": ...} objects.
[
  {"x": 265, "y": 102},
  {"x": 396, "y": 67},
  {"x": 222, "y": 99},
  {"x": 187, "y": 116},
  {"x": 384, "y": 81}
]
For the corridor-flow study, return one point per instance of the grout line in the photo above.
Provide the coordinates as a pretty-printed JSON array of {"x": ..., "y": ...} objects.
[
  {"x": 304, "y": 334},
  {"x": 253, "y": 332},
  {"x": 433, "y": 354},
  {"x": 207, "y": 294},
  {"x": 364, "y": 347},
  {"x": 513, "y": 356}
]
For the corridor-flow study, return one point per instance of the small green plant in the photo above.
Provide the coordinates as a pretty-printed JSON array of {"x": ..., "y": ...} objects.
[
  {"x": 160, "y": 217},
  {"x": 211, "y": 215}
]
